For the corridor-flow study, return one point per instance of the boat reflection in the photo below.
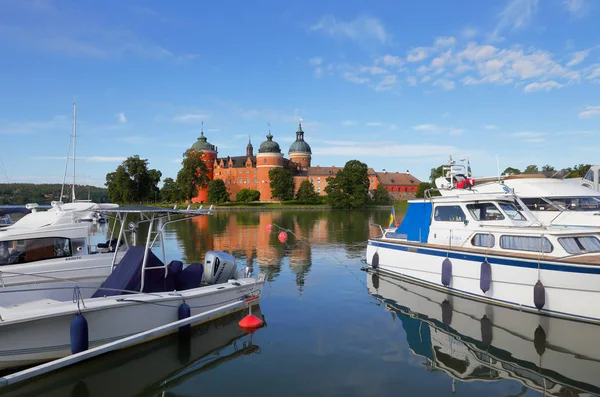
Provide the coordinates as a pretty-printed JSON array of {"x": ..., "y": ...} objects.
[
  {"x": 474, "y": 341},
  {"x": 153, "y": 369}
]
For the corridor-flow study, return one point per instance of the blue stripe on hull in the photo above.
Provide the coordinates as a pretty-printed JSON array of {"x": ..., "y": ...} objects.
[{"x": 531, "y": 264}]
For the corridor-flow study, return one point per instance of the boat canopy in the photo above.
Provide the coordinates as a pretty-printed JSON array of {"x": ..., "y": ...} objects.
[{"x": 416, "y": 222}]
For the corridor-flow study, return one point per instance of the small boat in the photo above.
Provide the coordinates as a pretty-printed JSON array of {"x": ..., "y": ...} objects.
[
  {"x": 6, "y": 212},
  {"x": 558, "y": 202},
  {"x": 141, "y": 293},
  {"x": 492, "y": 248},
  {"x": 472, "y": 341}
]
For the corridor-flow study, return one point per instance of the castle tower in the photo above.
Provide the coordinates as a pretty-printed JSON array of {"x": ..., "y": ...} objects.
[
  {"x": 269, "y": 156},
  {"x": 300, "y": 152},
  {"x": 209, "y": 155},
  {"x": 249, "y": 149}
]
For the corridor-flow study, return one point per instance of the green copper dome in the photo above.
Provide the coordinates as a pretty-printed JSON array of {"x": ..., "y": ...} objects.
[
  {"x": 269, "y": 146},
  {"x": 299, "y": 145},
  {"x": 202, "y": 145}
]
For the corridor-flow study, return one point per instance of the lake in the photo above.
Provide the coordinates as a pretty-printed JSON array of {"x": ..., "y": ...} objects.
[{"x": 333, "y": 329}]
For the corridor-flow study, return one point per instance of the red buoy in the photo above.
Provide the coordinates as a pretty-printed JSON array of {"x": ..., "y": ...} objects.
[
  {"x": 269, "y": 227},
  {"x": 250, "y": 323},
  {"x": 283, "y": 237}
]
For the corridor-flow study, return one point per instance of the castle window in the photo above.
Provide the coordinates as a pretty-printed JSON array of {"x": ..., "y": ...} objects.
[
  {"x": 319, "y": 189},
  {"x": 255, "y": 180},
  {"x": 319, "y": 180},
  {"x": 247, "y": 171},
  {"x": 247, "y": 180},
  {"x": 255, "y": 171},
  {"x": 240, "y": 180},
  {"x": 264, "y": 160}
]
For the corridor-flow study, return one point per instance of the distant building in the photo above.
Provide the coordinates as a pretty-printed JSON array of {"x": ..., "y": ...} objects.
[{"x": 251, "y": 171}]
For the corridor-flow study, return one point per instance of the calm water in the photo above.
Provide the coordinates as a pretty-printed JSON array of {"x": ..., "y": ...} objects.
[{"x": 333, "y": 329}]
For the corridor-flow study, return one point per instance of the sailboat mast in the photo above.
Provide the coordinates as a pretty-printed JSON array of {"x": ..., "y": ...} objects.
[
  {"x": 74, "y": 147},
  {"x": 62, "y": 187}
]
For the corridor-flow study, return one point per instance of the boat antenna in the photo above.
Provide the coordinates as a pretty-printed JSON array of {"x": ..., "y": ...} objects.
[
  {"x": 74, "y": 147},
  {"x": 62, "y": 188}
]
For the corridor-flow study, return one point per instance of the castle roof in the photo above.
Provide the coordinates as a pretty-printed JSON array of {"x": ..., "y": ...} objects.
[
  {"x": 299, "y": 145},
  {"x": 397, "y": 178},
  {"x": 269, "y": 146},
  {"x": 202, "y": 144}
]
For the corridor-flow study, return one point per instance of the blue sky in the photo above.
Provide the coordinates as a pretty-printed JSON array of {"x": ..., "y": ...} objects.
[{"x": 399, "y": 85}]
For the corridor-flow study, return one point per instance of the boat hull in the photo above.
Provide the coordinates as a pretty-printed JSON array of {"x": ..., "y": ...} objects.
[
  {"x": 46, "y": 336},
  {"x": 571, "y": 290}
]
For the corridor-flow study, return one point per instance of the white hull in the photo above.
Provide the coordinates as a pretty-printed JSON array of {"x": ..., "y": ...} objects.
[
  {"x": 571, "y": 291},
  {"x": 570, "y": 355},
  {"x": 44, "y": 334}
]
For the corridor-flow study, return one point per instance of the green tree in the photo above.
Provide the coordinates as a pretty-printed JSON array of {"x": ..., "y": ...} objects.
[
  {"x": 548, "y": 168},
  {"x": 193, "y": 175},
  {"x": 306, "y": 193},
  {"x": 531, "y": 169},
  {"x": 423, "y": 186},
  {"x": 247, "y": 196},
  {"x": 579, "y": 170},
  {"x": 217, "y": 191},
  {"x": 350, "y": 187},
  {"x": 436, "y": 173},
  {"x": 381, "y": 195},
  {"x": 169, "y": 192},
  {"x": 511, "y": 171},
  {"x": 282, "y": 183}
]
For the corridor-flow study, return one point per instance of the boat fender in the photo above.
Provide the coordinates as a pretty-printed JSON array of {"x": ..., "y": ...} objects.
[
  {"x": 539, "y": 295},
  {"x": 79, "y": 334},
  {"x": 539, "y": 340},
  {"x": 184, "y": 311},
  {"x": 446, "y": 272},
  {"x": 486, "y": 331},
  {"x": 375, "y": 280},
  {"x": 485, "y": 276},
  {"x": 446, "y": 312},
  {"x": 375, "y": 260}
]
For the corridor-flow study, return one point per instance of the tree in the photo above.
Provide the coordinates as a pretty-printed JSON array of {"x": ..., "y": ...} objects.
[
  {"x": 350, "y": 187},
  {"x": 169, "y": 192},
  {"x": 423, "y": 186},
  {"x": 381, "y": 195},
  {"x": 306, "y": 193},
  {"x": 548, "y": 168},
  {"x": 436, "y": 173},
  {"x": 132, "y": 181},
  {"x": 511, "y": 171},
  {"x": 193, "y": 174},
  {"x": 282, "y": 183},
  {"x": 531, "y": 169},
  {"x": 247, "y": 196},
  {"x": 579, "y": 170},
  {"x": 217, "y": 191}
]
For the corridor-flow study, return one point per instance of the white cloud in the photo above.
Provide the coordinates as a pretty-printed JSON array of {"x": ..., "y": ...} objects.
[
  {"x": 391, "y": 60},
  {"x": 353, "y": 78},
  {"x": 411, "y": 81},
  {"x": 361, "y": 28},
  {"x": 578, "y": 57},
  {"x": 491, "y": 127},
  {"x": 576, "y": 7},
  {"x": 426, "y": 127},
  {"x": 445, "y": 84},
  {"x": 445, "y": 41},
  {"x": 190, "y": 118},
  {"x": 386, "y": 83},
  {"x": 374, "y": 124},
  {"x": 349, "y": 122},
  {"x": 468, "y": 33},
  {"x": 417, "y": 54},
  {"x": 589, "y": 111},
  {"x": 527, "y": 135},
  {"x": 517, "y": 14},
  {"x": 121, "y": 118},
  {"x": 546, "y": 86},
  {"x": 372, "y": 70},
  {"x": 436, "y": 129},
  {"x": 316, "y": 61}
]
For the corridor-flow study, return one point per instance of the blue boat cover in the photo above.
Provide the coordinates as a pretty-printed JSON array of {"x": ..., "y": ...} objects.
[
  {"x": 416, "y": 222},
  {"x": 190, "y": 277},
  {"x": 127, "y": 274}
]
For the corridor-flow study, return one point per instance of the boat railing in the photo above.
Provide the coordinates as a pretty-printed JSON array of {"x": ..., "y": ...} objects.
[{"x": 379, "y": 226}]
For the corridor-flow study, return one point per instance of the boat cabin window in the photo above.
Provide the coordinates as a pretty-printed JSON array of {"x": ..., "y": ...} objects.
[
  {"x": 483, "y": 240},
  {"x": 580, "y": 245},
  {"x": 526, "y": 243},
  {"x": 35, "y": 249},
  {"x": 539, "y": 204},
  {"x": 512, "y": 212},
  {"x": 449, "y": 213},
  {"x": 584, "y": 203},
  {"x": 589, "y": 176},
  {"x": 485, "y": 212}
]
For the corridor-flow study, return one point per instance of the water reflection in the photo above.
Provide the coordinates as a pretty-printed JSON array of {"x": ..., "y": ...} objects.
[
  {"x": 472, "y": 341},
  {"x": 162, "y": 367}
]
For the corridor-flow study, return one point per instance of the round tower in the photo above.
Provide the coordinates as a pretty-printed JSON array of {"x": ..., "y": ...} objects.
[
  {"x": 300, "y": 152},
  {"x": 269, "y": 156},
  {"x": 209, "y": 155}
]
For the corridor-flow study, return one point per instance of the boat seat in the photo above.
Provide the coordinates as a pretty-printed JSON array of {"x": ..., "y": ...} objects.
[
  {"x": 174, "y": 269},
  {"x": 190, "y": 277}
]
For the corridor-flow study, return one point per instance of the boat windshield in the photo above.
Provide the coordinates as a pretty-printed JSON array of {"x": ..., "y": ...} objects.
[
  {"x": 584, "y": 203},
  {"x": 512, "y": 212}
]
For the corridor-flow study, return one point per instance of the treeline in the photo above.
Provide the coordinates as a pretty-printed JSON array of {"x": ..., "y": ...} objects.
[
  {"x": 134, "y": 182},
  {"x": 44, "y": 194}
]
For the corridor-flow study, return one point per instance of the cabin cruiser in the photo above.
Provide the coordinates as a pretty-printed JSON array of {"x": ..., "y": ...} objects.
[
  {"x": 141, "y": 292},
  {"x": 557, "y": 202},
  {"x": 492, "y": 247},
  {"x": 472, "y": 341}
]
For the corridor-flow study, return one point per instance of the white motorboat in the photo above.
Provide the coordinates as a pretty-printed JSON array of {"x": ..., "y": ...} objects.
[
  {"x": 557, "y": 202},
  {"x": 141, "y": 293},
  {"x": 491, "y": 247},
  {"x": 472, "y": 341}
]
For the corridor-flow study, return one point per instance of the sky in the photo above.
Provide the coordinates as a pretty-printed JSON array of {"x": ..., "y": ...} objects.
[{"x": 399, "y": 85}]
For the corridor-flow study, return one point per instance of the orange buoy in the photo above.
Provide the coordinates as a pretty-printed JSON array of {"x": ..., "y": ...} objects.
[
  {"x": 269, "y": 227},
  {"x": 283, "y": 237},
  {"x": 250, "y": 323}
]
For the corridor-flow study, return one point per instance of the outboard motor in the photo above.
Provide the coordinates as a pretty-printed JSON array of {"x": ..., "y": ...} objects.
[{"x": 218, "y": 267}]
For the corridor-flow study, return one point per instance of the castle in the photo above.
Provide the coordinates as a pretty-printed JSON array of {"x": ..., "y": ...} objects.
[{"x": 251, "y": 171}]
